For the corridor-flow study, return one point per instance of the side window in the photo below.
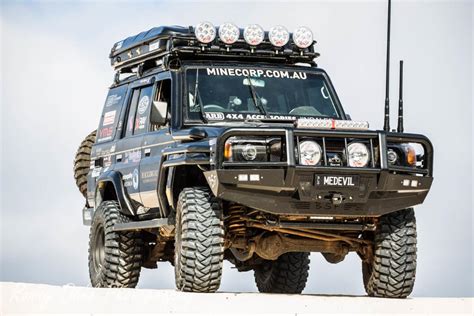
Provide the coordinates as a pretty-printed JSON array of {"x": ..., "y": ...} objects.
[
  {"x": 137, "y": 121},
  {"x": 111, "y": 113},
  {"x": 162, "y": 94}
]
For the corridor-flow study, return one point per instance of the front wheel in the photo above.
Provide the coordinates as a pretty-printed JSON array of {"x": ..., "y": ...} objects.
[
  {"x": 391, "y": 271},
  {"x": 199, "y": 241},
  {"x": 115, "y": 258},
  {"x": 288, "y": 274}
]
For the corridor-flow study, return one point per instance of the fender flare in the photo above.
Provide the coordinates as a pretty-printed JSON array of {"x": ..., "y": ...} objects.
[{"x": 115, "y": 178}]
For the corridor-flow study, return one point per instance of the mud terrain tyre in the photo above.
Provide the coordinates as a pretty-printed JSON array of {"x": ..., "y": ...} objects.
[
  {"x": 288, "y": 274},
  {"x": 115, "y": 258},
  {"x": 391, "y": 273},
  {"x": 82, "y": 162},
  {"x": 199, "y": 241}
]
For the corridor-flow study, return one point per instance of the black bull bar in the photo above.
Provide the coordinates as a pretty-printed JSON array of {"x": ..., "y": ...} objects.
[{"x": 286, "y": 188}]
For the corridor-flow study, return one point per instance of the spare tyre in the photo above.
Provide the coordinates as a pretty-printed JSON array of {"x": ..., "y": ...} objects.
[{"x": 82, "y": 162}]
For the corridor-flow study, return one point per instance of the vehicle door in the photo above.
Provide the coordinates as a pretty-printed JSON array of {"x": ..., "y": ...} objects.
[
  {"x": 129, "y": 147},
  {"x": 157, "y": 138}
]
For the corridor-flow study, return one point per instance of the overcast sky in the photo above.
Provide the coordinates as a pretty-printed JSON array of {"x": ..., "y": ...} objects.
[{"x": 54, "y": 77}]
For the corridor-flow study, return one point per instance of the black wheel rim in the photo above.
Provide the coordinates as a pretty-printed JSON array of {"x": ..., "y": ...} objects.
[{"x": 98, "y": 255}]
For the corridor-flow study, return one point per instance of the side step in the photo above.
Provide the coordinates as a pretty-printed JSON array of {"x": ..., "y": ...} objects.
[{"x": 152, "y": 223}]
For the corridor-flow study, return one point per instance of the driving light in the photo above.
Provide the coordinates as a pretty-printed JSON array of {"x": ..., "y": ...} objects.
[
  {"x": 279, "y": 36},
  {"x": 358, "y": 155},
  {"x": 310, "y": 153},
  {"x": 303, "y": 37},
  {"x": 254, "y": 34},
  {"x": 229, "y": 33},
  {"x": 249, "y": 152},
  {"x": 205, "y": 32}
]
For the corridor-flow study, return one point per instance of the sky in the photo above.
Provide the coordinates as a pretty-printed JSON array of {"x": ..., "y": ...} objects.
[{"x": 53, "y": 82}]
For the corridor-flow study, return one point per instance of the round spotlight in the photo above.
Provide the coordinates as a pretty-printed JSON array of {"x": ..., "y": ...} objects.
[
  {"x": 303, "y": 37},
  {"x": 358, "y": 155},
  {"x": 229, "y": 33},
  {"x": 279, "y": 36},
  {"x": 254, "y": 34},
  {"x": 310, "y": 153},
  {"x": 205, "y": 32}
]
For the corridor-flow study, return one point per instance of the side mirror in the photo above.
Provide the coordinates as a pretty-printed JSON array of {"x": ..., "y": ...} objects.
[
  {"x": 159, "y": 112},
  {"x": 348, "y": 117}
]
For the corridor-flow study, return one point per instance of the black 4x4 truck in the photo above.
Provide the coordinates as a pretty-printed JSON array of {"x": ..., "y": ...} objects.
[{"x": 227, "y": 143}]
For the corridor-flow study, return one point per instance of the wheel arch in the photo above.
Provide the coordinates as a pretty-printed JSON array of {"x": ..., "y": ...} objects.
[{"x": 109, "y": 187}]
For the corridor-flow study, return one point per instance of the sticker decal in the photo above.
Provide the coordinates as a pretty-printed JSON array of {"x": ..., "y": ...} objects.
[
  {"x": 258, "y": 73},
  {"x": 143, "y": 104},
  {"x": 109, "y": 118},
  {"x": 135, "y": 179},
  {"x": 112, "y": 100},
  {"x": 215, "y": 116}
]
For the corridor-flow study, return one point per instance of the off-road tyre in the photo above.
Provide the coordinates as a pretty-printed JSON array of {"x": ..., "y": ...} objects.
[
  {"x": 82, "y": 162},
  {"x": 199, "y": 241},
  {"x": 288, "y": 274},
  {"x": 115, "y": 258},
  {"x": 391, "y": 273}
]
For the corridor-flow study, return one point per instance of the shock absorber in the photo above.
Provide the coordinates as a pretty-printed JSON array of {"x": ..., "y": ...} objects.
[{"x": 235, "y": 220}]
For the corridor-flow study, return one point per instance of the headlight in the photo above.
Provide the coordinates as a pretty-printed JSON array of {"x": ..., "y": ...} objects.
[
  {"x": 310, "y": 153},
  {"x": 205, "y": 32},
  {"x": 358, "y": 155},
  {"x": 392, "y": 156},
  {"x": 237, "y": 149},
  {"x": 278, "y": 36}
]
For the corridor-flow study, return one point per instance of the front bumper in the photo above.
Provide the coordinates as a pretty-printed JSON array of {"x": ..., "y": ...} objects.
[{"x": 295, "y": 190}]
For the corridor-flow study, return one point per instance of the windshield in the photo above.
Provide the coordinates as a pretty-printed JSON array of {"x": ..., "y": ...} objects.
[{"x": 222, "y": 93}]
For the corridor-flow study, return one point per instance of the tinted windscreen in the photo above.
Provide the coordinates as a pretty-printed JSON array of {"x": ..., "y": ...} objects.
[{"x": 241, "y": 93}]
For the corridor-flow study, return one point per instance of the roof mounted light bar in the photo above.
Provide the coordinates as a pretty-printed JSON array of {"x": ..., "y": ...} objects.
[
  {"x": 206, "y": 41},
  {"x": 332, "y": 124}
]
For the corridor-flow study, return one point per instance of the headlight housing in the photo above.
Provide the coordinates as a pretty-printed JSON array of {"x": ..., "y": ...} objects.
[
  {"x": 357, "y": 155},
  {"x": 253, "y": 149},
  {"x": 309, "y": 153}
]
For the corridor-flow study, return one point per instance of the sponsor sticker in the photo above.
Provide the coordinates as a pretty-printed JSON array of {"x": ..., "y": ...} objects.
[
  {"x": 105, "y": 133},
  {"x": 149, "y": 176},
  {"x": 112, "y": 100},
  {"x": 154, "y": 45},
  {"x": 143, "y": 104},
  {"x": 109, "y": 118},
  {"x": 133, "y": 156},
  {"x": 135, "y": 179},
  {"x": 258, "y": 73}
]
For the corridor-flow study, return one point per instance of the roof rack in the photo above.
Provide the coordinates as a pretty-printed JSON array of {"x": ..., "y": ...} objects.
[{"x": 161, "y": 45}]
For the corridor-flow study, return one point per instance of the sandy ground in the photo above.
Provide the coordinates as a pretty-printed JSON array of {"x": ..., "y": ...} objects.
[{"x": 39, "y": 298}]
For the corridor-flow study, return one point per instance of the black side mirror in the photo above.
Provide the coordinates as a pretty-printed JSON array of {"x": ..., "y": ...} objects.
[
  {"x": 158, "y": 112},
  {"x": 348, "y": 116}
]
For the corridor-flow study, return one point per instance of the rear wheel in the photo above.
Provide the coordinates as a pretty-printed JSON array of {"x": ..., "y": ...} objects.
[
  {"x": 288, "y": 274},
  {"x": 82, "y": 162},
  {"x": 391, "y": 272},
  {"x": 199, "y": 241},
  {"x": 115, "y": 258}
]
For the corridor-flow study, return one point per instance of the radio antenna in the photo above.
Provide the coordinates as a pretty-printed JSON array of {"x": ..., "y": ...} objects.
[
  {"x": 400, "y": 100},
  {"x": 386, "y": 125}
]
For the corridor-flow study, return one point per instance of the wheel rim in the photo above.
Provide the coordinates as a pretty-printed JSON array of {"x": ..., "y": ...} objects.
[{"x": 98, "y": 255}]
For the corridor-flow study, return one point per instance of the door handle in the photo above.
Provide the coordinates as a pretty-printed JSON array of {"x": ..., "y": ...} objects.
[
  {"x": 119, "y": 158},
  {"x": 147, "y": 152}
]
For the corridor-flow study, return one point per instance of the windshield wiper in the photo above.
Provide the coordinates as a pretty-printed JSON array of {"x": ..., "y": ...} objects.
[
  {"x": 256, "y": 98},
  {"x": 197, "y": 99}
]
